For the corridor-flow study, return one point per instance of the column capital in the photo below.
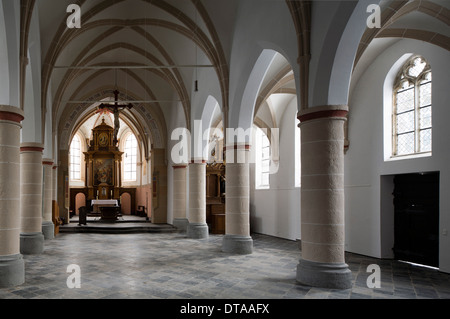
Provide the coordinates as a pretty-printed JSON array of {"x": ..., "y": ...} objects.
[
  {"x": 11, "y": 113},
  {"x": 32, "y": 147},
  {"x": 323, "y": 112}
]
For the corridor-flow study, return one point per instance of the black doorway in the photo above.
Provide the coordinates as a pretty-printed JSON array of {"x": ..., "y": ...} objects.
[{"x": 416, "y": 218}]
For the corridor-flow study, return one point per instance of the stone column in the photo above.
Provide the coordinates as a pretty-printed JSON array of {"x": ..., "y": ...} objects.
[
  {"x": 237, "y": 237},
  {"x": 179, "y": 197},
  {"x": 31, "y": 237},
  {"x": 12, "y": 266},
  {"x": 48, "y": 228},
  {"x": 54, "y": 188},
  {"x": 322, "y": 262},
  {"x": 54, "y": 183},
  {"x": 63, "y": 178},
  {"x": 197, "y": 228}
]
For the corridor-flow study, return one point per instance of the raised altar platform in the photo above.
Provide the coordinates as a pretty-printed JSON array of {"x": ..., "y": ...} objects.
[{"x": 124, "y": 225}]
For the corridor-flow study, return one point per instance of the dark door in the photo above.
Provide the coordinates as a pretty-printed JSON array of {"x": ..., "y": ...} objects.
[{"x": 416, "y": 218}]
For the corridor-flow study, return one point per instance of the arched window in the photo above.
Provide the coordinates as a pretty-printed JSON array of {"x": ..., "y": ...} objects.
[
  {"x": 75, "y": 159},
  {"x": 262, "y": 160},
  {"x": 412, "y": 120},
  {"x": 130, "y": 158}
]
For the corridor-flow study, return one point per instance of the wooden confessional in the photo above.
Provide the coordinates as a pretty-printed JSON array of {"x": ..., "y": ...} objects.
[{"x": 215, "y": 197}]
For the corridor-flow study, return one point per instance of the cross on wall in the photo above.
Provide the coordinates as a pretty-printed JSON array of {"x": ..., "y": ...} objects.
[{"x": 115, "y": 110}]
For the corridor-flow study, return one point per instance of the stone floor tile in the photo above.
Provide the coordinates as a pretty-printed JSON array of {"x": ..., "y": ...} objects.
[{"x": 171, "y": 266}]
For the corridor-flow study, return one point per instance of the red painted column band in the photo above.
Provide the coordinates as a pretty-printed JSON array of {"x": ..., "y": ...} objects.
[
  {"x": 9, "y": 116},
  {"x": 322, "y": 114}
]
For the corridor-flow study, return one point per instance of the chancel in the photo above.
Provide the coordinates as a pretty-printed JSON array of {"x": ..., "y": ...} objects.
[
  {"x": 103, "y": 169},
  {"x": 241, "y": 148}
]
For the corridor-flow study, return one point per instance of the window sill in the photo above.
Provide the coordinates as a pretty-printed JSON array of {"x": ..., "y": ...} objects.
[{"x": 406, "y": 157}]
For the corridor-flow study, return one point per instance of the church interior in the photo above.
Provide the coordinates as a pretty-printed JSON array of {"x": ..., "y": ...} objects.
[{"x": 291, "y": 139}]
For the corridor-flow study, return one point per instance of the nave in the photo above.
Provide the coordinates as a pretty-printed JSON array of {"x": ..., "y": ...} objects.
[
  {"x": 296, "y": 119},
  {"x": 170, "y": 266}
]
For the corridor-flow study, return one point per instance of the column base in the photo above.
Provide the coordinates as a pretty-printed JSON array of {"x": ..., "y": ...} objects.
[
  {"x": 48, "y": 229},
  {"x": 12, "y": 271},
  {"x": 181, "y": 224},
  {"x": 324, "y": 275},
  {"x": 31, "y": 243},
  {"x": 236, "y": 244},
  {"x": 197, "y": 231}
]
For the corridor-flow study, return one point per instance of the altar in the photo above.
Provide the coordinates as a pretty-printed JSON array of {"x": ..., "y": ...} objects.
[
  {"x": 97, "y": 203},
  {"x": 103, "y": 170}
]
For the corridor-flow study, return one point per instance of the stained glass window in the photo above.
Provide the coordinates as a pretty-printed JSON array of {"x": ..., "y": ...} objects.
[{"x": 412, "y": 120}]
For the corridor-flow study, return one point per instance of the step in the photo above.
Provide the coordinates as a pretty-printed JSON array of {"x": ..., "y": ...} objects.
[{"x": 117, "y": 228}]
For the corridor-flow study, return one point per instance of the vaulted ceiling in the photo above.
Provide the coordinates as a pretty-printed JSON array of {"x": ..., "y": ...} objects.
[
  {"x": 423, "y": 20},
  {"x": 149, "y": 49}
]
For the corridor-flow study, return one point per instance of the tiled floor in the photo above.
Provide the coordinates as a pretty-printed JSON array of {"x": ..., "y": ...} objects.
[{"x": 170, "y": 266}]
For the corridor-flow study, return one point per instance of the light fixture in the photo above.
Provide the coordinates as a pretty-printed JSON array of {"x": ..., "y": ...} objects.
[{"x": 196, "y": 52}]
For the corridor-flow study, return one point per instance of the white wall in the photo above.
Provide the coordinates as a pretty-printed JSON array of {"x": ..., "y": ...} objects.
[
  {"x": 276, "y": 211},
  {"x": 9, "y": 53},
  {"x": 177, "y": 120},
  {"x": 368, "y": 175},
  {"x": 252, "y": 53}
]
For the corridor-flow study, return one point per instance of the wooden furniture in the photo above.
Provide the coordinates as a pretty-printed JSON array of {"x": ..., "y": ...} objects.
[
  {"x": 82, "y": 215},
  {"x": 103, "y": 173},
  {"x": 132, "y": 193},
  {"x": 73, "y": 195},
  {"x": 57, "y": 221},
  {"x": 103, "y": 161},
  {"x": 97, "y": 204},
  {"x": 109, "y": 214},
  {"x": 141, "y": 211},
  {"x": 215, "y": 197}
]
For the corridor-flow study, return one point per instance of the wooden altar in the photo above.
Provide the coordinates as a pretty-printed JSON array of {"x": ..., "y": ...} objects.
[
  {"x": 103, "y": 162},
  {"x": 215, "y": 197},
  {"x": 98, "y": 203},
  {"x": 103, "y": 172}
]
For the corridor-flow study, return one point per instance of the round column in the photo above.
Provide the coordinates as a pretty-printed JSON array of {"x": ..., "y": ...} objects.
[
  {"x": 31, "y": 237},
  {"x": 179, "y": 198},
  {"x": 322, "y": 262},
  {"x": 48, "y": 227},
  {"x": 12, "y": 266},
  {"x": 237, "y": 237},
  {"x": 197, "y": 228},
  {"x": 54, "y": 183}
]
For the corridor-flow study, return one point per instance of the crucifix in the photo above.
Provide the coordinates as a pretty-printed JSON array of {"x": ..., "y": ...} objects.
[{"x": 115, "y": 109}]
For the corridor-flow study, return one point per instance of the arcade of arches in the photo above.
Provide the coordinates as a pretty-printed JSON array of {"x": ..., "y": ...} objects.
[{"x": 342, "y": 114}]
